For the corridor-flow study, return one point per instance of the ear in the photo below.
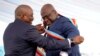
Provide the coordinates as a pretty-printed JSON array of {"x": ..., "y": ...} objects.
[
  {"x": 55, "y": 11},
  {"x": 23, "y": 16}
]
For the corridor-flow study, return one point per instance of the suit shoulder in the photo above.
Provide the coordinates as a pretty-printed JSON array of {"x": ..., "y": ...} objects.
[{"x": 64, "y": 19}]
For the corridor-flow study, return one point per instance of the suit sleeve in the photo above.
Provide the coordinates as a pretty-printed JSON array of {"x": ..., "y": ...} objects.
[
  {"x": 33, "y": 36},
  {"x": 69, "y": 29}
]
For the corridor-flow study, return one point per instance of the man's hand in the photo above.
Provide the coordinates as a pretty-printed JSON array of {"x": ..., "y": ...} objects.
[
  {"x": 77, "y": 40},
  {"x": 40, "y": 28}
]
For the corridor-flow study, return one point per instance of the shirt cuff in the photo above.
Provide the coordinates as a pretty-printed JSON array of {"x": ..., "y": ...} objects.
[{"x": 69, "y": 40}]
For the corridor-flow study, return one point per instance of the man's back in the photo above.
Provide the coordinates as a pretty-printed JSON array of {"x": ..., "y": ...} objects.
[{"x": 15, "y": 44}]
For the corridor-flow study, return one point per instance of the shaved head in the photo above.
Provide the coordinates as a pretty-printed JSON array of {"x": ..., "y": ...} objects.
[
  {"x": 21, "y": 9},
  {"x": 46, "y": 9},
  {"x": 24, "y": 13}
]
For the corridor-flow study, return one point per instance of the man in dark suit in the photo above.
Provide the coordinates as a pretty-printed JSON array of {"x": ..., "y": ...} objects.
[
  {"x": 21, "y": 38},
  {"x": 62, "y": 26}
]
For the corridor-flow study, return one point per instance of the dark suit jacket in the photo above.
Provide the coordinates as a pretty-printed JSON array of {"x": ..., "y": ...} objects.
[
  {"x": 64, "y": 27},
  {"x": 22, "y": 39}
]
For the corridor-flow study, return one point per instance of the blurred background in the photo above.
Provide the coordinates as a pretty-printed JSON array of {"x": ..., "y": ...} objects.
[{"x": 85, "y": 12}]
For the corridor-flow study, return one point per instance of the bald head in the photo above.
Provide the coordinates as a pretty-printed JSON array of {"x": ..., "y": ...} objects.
[
  {"x": 22, "y": 9},
  {"x": 24, "y": 13},
  {"x": 47, "y": 8}
]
